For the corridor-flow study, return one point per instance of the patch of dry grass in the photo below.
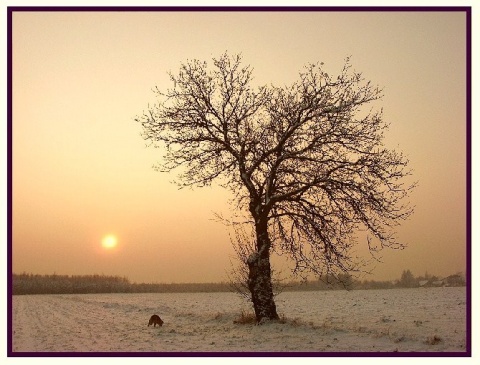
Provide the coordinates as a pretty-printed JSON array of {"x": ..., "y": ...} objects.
[
  {"x": 433, "y": 340},
  {"x": 246, "y": 318}
]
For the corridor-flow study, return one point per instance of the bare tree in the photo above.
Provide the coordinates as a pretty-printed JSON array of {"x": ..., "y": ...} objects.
[{"x": 306, "y": 161}]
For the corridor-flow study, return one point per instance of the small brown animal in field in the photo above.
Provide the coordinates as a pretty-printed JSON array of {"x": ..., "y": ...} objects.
[{"x": 155, "y": 320}]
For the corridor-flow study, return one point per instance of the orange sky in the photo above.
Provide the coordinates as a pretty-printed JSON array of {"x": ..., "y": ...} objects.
[{"x": 82, "y": 171}]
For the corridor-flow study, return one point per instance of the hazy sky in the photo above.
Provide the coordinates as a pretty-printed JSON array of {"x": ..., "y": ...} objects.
[{"x": 82, "y": 171}]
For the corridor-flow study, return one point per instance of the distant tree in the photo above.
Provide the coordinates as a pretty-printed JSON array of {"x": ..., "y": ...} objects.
[
  {"x": 407, "y": 280},
  {"x": 346, "y": 280},
  {"x": 306, "y": 162}
]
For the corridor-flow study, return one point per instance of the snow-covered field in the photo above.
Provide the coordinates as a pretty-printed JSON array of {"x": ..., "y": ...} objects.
[{"x": 420, "y": 320}]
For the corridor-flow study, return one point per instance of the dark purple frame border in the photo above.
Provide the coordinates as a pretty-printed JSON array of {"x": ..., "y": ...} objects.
[{"x": 464, "y": 9}]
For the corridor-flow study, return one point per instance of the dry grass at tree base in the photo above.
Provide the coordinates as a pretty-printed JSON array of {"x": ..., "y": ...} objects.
[{"x": 248, "y": 317}]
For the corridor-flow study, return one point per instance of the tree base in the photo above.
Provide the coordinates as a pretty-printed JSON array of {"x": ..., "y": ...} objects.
[{"x": 260, "y": 285}]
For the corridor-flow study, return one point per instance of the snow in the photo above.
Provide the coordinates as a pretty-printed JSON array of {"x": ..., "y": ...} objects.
[
  {"x": 253, "y": 258},
  {"x": 403, "y": 320}
]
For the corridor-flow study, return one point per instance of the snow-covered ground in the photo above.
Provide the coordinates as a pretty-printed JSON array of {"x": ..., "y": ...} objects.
[{"x": 420, "y": 320}]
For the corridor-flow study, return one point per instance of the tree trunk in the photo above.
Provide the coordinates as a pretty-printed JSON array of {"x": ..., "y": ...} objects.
[{"x": 260, "y": 277}]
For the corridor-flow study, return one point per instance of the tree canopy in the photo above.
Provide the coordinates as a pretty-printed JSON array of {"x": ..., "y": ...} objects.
[{"x": 310, "y": 153}]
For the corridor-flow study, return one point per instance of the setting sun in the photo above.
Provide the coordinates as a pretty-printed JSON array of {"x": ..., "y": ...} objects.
[{"x": 109, "y": 241}]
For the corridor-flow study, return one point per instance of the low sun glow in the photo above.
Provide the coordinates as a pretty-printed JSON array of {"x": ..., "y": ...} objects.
[{"x": 109, "y": 241}]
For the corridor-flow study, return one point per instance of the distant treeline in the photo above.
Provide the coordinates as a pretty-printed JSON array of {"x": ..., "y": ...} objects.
[
  {"x": 407, "y": 280},
  {"x": 82, "y": 284}
]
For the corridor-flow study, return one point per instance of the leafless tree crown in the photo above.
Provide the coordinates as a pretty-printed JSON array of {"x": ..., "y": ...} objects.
[{"x": 309, "y": 156}]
